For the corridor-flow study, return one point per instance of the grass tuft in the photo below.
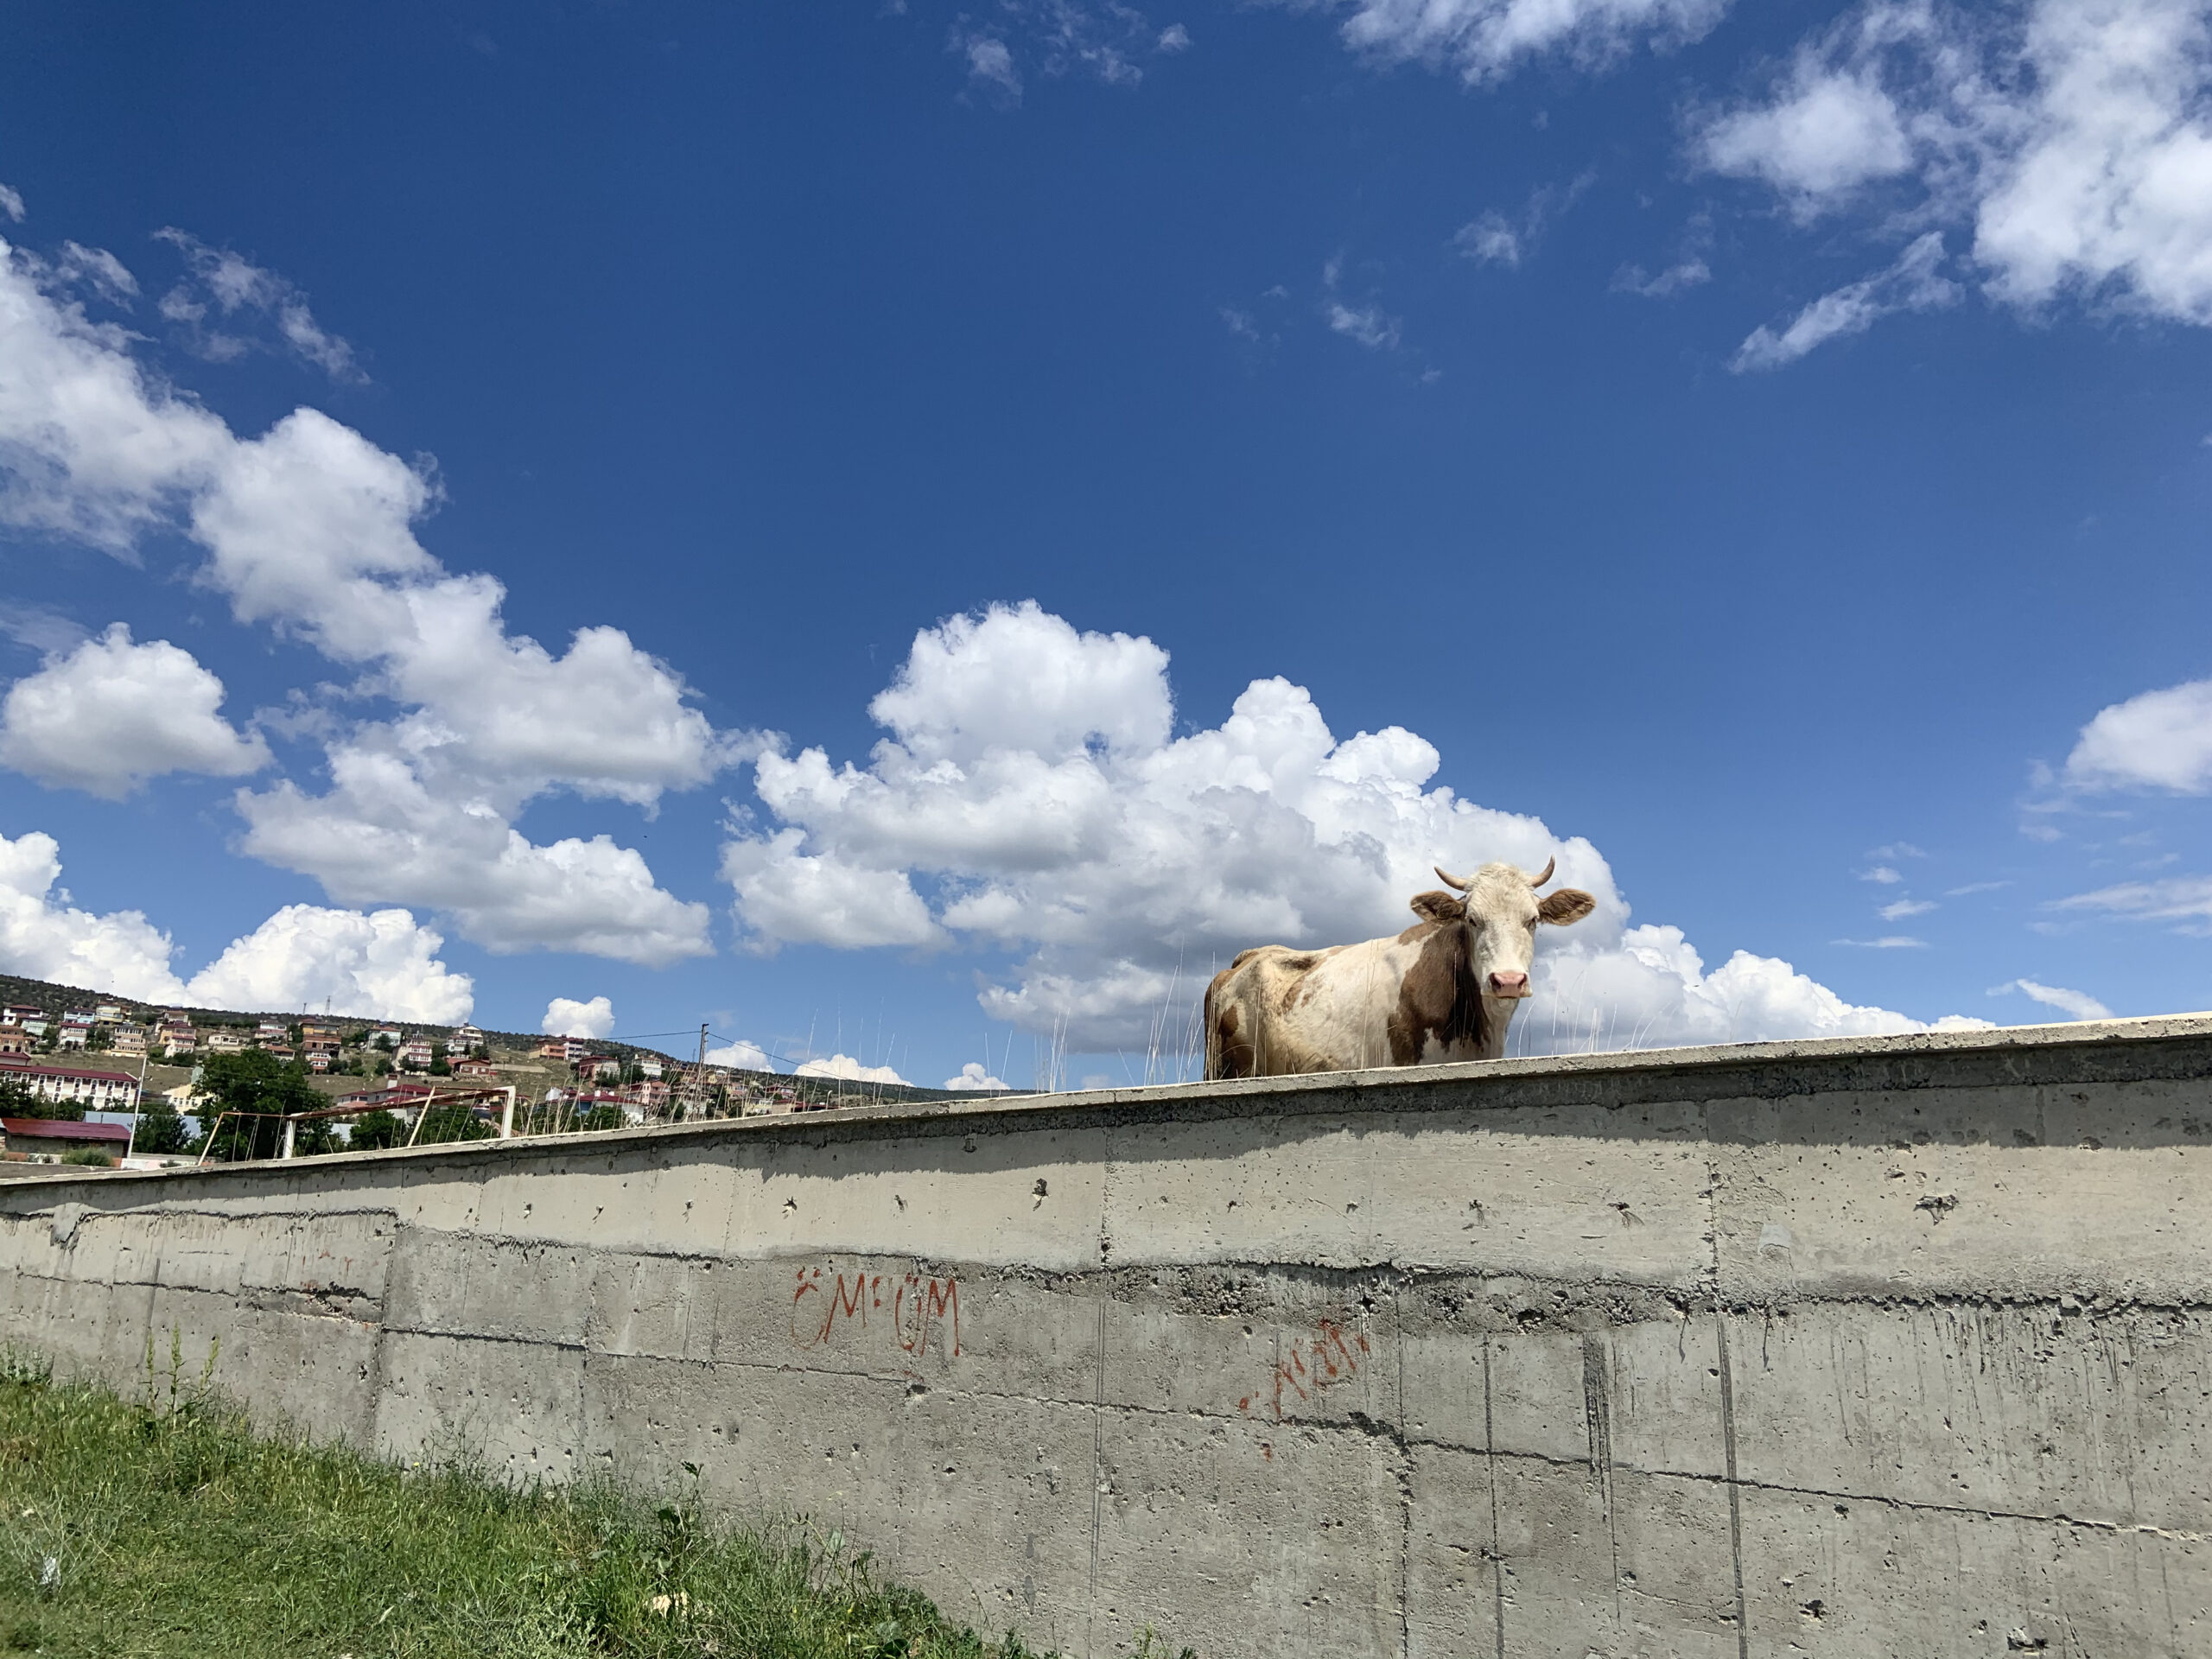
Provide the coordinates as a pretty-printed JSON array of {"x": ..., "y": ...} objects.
[{"x": 166, "y": 1529}]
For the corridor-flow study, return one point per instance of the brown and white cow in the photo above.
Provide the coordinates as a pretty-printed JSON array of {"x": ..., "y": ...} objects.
[{"x": 1444, "y": 989}]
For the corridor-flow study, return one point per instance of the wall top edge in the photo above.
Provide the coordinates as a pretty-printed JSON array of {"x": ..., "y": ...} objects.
[{"x": 2160, "y": 1045}]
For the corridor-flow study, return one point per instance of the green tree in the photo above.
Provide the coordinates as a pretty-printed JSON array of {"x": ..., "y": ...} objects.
[
  {"x": 602, "y": 1117},
  {"x": 452, "y": 1123},
  {"x": 19, "y": 1099},
  {"x": 313, "y": 1135},
  {"x": 260, "y": 1088},
  {"x": 377, "y": 1129},
  {"x": 161, "y": 1131},
  {"x": 439, "y": 1066}
]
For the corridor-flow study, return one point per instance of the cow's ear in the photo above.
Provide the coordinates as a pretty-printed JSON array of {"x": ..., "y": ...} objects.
[
  {"x": 1435, "y": 906},
  {"x": 1567, "y": 904}
]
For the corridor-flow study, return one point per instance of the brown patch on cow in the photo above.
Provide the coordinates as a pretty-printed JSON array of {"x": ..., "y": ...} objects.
[
  {"x": 1438, "y": 998},
  {"x": 1567, "y": 904},
  {"x": 1438, "y": 906}
]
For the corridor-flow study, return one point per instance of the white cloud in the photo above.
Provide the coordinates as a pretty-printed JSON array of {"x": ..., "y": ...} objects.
[
  {"x": 786, "y": 896},
  {"x": 1489, "y": 241},
  {"x": 973, "y": 1076},
  {"x": 1913, "y": 283},
  {"x": 91, "y": 447},
  {"x": 1974, "y": 887},
  {"x": 1174, "y": 38},
  {"x": 566, "y": 1017},
  {"x": 382, "y": 831},
  {"x": 847, "y": 1069},
  {"x": 12, "y": 202},
  {"x": 1898, "y": 850},
  {"x": 98, "y": 269},
  {"x": 111, "y": 714},
  {"x": 2184, "y": 899},
  {"x": 1828, "y": 131},
  {"x": 1883, "y": 875},
  {"x": 383, "y": 965},
  {"x": 2070, "y": 138},
  {"x": 1687, "y": 273},
  {"x": 742, "y": 1056},
  {"x": 310, "y": 529},
  {"x": 1484, "y": 40},
  {"x": 1900, "y": 909},
  {"x": 1030, "y": 799},
  {"x": 2075, "y": 1005},
  {"x": 1493, "y": 238},
  {"x": 1887, "y": 942},
  {"x": 2159, "y": 740},
  {"x": 989, "y": 60},
  {"x": 1366, "y": 323},
  {"x": 42, "y": 936},
  {"x": 234, "y": 284}
]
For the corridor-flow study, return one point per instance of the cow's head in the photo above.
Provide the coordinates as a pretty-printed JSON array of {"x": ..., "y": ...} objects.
[{"x": 1500, "y": 904}]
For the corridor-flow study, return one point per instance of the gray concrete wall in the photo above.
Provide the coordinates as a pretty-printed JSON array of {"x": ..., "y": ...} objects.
[{"x": 1869, "y": 1347}]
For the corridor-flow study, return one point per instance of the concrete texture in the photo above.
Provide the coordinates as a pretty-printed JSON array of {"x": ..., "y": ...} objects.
[{"x": 1895, "y": 1346}]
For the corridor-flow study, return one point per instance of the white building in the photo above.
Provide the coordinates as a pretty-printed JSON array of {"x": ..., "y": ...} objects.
[{"x": 96, "y": 1092}]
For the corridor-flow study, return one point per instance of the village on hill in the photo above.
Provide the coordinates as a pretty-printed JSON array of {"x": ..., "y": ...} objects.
[{"x": 101, "y": 1081}]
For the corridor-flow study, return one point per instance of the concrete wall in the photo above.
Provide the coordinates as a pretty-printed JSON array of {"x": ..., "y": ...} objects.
[{"x": 1870, "y": 1347}]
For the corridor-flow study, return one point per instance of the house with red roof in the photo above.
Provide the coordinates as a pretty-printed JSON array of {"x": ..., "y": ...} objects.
[{"x": 59, "y": 1138}]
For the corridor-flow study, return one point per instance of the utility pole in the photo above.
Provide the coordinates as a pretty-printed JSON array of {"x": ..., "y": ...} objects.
[{"x": 699, "y": 1073}]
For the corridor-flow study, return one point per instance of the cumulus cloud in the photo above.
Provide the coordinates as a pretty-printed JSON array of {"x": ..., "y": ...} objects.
[
  {"x": 2159, "y": 740},
  {"x": 2069, "y": 139},
  {"x": 91, "y": 447},
  {"x": 741, "y": 1055},
  {"x": 223, "y": 283},
  {"x": 566, "y": 1017},
  {"x": 1031, "y": 799},
  {"x": 310, "y": 529},
  {"x": 1484, "y": 40},
  {"x": 974, "y": 1076},
  {"x": 2075, "y": 1005},
  {"x": 845, "y": 1068},
  {"x": 383, "y": 965},
  {"x": 1914, "y": 283},
  {"x": 111, "y": 714},
  {"x": 44, "y": 936}
]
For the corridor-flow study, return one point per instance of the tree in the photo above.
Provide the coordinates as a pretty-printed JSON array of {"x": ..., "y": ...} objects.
[
  {"x": 439, "y": 1066},
  {"x": 313, "y": 1135},
  {"x": 452, "y": 1123},
  {"x": 602, "y": 1117},
  {"x": 161, "y": 1131},
  {"x": 19, "y": 1099},
  {"x": 260, "y": 1088},
  {"x": 378, "y": 1129}
]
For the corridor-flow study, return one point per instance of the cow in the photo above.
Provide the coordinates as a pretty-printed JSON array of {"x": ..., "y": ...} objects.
[{"x": 1444, "y": 989}]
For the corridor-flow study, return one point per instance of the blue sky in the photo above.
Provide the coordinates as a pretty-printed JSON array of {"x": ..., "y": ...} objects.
[{"x": 1755, "y": 454}]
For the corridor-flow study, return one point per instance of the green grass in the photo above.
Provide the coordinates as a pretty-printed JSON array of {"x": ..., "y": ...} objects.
[{"x": 169, "y": 1528}]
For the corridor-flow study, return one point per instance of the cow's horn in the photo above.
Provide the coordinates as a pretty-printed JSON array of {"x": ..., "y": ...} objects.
[
  {"x": 1550, "y": 864},
  {"x": 1451, "y": 881}
]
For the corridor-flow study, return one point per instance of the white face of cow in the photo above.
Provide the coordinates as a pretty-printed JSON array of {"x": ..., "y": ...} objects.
[{"x": 1503, "y": 911}]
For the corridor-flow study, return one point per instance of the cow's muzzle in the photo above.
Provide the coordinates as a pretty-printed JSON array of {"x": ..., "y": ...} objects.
[{"x": 1507, "y": 983}]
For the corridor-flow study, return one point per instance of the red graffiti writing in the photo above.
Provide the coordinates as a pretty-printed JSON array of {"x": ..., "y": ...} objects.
[
  {"x": 822, "y": 1305},
  {"x": 1311, "y": 1364}
]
